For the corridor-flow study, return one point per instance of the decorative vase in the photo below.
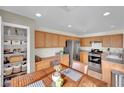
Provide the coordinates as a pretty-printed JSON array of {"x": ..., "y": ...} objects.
[{"x": 56, "y": 76}]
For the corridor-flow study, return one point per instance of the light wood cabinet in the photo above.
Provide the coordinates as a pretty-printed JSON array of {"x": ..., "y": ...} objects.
[
  {"x": 64, "y": 59},
  {"x": 86, "y": 42},
  {"x": 62, "y": 41},
  {"x": 96, "y": 38},
  {"x": 82, "y": 42},
  {"x": 107, "y": 68},
  {"x": 68, "y": 38},
  {"x": 39, "y": 39},
  {"x": 42, "y": 65},
  {"x": 48, "y": 40},
  {"x": 117, "y": 41},
  {"x": 106, "y": 41},
  {"x": 55, "y": 40},
  {"x": 84, "y": 57},
  {"x": 74, "y": 38}
]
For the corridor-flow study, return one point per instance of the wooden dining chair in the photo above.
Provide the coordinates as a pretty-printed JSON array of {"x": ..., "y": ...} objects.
[{"x": 82, "y": 67}]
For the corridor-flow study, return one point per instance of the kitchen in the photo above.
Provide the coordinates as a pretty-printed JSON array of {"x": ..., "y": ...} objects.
[
  {"x": 100, "y": 52},
  {"x": 111, "y": 51}
]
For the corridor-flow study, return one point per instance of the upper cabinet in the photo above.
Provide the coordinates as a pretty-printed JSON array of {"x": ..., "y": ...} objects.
[
  {"x": 50, "y": 40},
  {"x": 96, "y": 38},
  {"x": 86, "y": 42},
  {"x": 55, "y": 40},
  {"x": 117, "y": 41},
  {"x": 106, "y": 41},
  {"x": 39, "y": 39},
  {"x": 62, "y": 41}
]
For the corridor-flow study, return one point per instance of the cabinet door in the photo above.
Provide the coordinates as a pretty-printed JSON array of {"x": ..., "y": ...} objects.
[
  {"x": 48, "y": 41},
  {"x": 106, "y": 41},
  {"x": 117, "y": 41},
  {"x": 39, "y": 39},
  {"x": 64, "y": 59},
  {"x": 84, "y": 57},
  {"x": 68, "y": 38},
  {"x": 62, "y": 41},
  {"x": 82, "y": 42},
  {"x": 87, "y": 42},
  {"x": 96, "y": 38},
  {"x": 42, "y": 65},
  {"x": 55, "y": 40}
]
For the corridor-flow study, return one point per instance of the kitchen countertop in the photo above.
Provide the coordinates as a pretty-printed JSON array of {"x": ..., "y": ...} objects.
[
  {"x": 84, "y": 51},
  {"x": 56, "y": 57},
  {"x": 104, "y": 57}
]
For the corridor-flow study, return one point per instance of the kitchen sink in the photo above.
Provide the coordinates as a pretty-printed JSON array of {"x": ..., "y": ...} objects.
[{"x": 116, "y": 57}]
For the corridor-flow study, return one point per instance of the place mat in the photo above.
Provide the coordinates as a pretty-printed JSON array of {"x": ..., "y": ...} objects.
[
  {"x": 72, "y": 74},
  {"x": 37, "y": 84}
]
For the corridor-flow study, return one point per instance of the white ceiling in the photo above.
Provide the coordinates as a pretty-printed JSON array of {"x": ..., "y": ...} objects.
[{"x": 84, "y": 19}]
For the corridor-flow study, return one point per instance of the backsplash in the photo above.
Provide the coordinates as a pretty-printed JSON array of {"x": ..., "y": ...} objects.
[
  {"x": 47, "y": 52},
  {"x": 104, "y": 49}
]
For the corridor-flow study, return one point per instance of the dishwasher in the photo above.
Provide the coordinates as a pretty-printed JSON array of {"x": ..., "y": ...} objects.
[{"x": 117, "y": 79}]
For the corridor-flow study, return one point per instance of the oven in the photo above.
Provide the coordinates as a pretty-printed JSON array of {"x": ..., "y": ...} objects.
[{"x": 94, "y": 60}]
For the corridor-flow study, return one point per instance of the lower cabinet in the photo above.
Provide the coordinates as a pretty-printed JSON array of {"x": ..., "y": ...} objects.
[
  {"x": 42, "y": 65},
  {"x": 64, "y": 59},
  {"x": 47, "y": 62},
  {"x": 107, "y": 68},
  {"x": 84, "y": 57}
]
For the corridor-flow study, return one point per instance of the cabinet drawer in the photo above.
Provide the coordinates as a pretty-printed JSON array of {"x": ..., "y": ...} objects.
[{"x": 42, "y": 65}]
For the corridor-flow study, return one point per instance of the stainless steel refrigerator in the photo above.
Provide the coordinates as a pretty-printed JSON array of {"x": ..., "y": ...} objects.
[{"x": 73, "y": 49}]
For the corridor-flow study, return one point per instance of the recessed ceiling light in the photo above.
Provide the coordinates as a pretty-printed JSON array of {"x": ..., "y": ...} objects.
[
  {"x": 106, "y": 13},
  {"x": 38, "y": 15},
  {"x": 69, "y": 26},
  {"x": 112, "y": 26}
]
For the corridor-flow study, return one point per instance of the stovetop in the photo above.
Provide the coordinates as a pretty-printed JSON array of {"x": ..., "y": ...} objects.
[{"x": 95, "y": 51}]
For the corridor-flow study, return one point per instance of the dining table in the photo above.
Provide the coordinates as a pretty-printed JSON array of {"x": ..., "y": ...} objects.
[{"x": 45, "y": 77}]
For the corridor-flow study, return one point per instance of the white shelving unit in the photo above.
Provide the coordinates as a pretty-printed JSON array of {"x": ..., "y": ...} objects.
[{"x": 14, "y": 41}]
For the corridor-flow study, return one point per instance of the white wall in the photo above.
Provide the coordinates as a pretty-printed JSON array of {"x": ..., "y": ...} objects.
[{"x": 47, "y": 52}]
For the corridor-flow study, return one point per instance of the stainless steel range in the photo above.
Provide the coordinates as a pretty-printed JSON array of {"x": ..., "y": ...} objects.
[{"x": 94, "y": 59}]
